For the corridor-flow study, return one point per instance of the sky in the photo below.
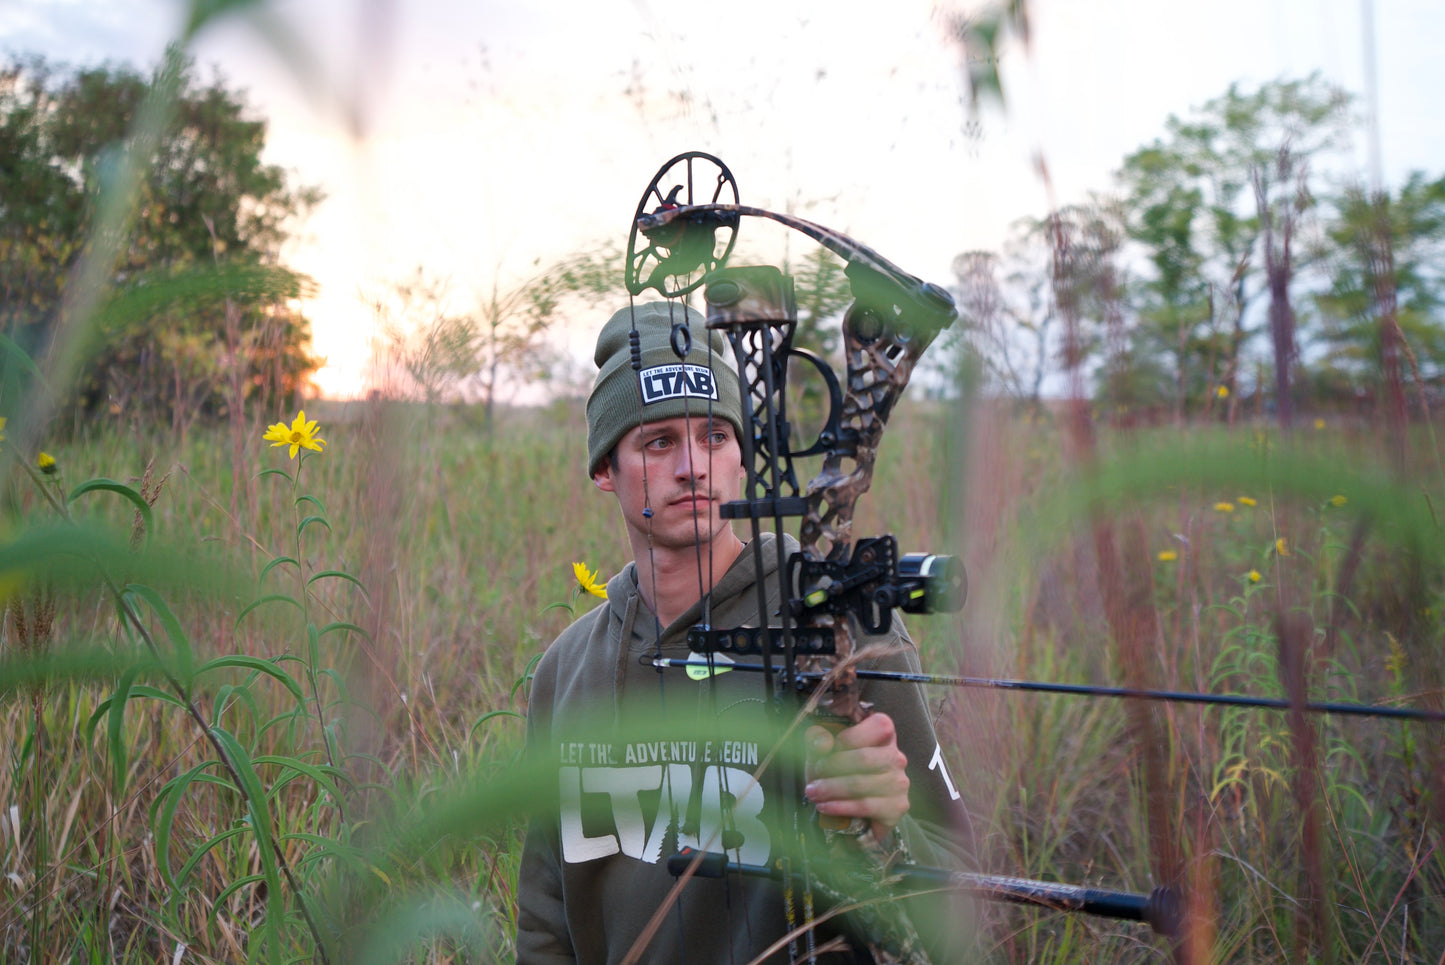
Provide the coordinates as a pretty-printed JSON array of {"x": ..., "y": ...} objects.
[{"x": 484, "y": 140}]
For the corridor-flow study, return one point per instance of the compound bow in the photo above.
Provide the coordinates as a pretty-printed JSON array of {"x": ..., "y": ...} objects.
[{"x": 683, "y": 233}]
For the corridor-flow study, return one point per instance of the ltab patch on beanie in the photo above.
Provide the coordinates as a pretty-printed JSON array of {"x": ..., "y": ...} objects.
[{"x": 677, "y": 382}]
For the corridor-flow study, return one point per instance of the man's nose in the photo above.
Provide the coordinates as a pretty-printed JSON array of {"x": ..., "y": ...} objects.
[{"x": 691, "y": 460}]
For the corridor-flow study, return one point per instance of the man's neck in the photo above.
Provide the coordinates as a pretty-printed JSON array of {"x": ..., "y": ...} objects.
[{"x": 670, "y": 581}]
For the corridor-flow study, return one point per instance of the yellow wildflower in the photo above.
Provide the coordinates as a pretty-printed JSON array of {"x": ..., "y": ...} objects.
[
  {"x": 2, "y": 428},
  {"x": 1319, "y": 423},
  {"x": 1224, "y": 507},
  {"x": 1167, "y": 556},
  {"x": 1281, "y": 546},
  {"x": 1254, "y": 576},
  {"x": 299, "y": 435},
  {"x": 1245, "y": 501},
  {"x": 1338, "y": 501},
  {"x": 46, "y": 462},
  {"x": 588, "y": 580},
  {"x": 1222, "y": 392}
]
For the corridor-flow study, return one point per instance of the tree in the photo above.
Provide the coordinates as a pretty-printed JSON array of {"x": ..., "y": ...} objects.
[
  {"x": 430, "y": 342},
  {"x": 473, "y": 356},
  {"x": 197, "y": 295},
  {"x": 511, "y": 345},
  {"x": 1225, "y": 191},
  {"x": 1385, "y": 288},
  {"x": 1051, "y": 300}
]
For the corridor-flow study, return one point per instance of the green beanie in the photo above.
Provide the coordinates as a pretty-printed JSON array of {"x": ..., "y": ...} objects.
[{"x": 667, "y": 385}]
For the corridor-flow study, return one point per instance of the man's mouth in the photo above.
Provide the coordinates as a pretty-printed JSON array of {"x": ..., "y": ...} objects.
[{"x": 694, "y": 501}]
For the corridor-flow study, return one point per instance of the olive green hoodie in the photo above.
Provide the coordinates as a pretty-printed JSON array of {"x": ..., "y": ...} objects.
[{"x": 644, "y": 760}]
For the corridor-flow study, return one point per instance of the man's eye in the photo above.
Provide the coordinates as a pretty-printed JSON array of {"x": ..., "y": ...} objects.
[{"x": 719, "y": 438}]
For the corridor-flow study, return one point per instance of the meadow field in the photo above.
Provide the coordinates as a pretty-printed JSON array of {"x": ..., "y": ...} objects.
[{"x": 355, "y": 627}]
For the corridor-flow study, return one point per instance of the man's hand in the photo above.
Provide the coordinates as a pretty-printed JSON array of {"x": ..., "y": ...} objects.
[{"x": 859, "y": 773}]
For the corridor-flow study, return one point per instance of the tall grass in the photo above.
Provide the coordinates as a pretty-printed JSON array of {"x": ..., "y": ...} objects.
[{"x": 100, "y": 828}]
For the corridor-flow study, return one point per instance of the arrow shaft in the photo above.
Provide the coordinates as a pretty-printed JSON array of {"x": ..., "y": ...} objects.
[{"x": 1083, "y": 690}]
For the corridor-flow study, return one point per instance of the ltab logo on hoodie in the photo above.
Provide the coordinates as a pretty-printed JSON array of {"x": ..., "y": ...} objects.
[{"x": 677, "y": 381}]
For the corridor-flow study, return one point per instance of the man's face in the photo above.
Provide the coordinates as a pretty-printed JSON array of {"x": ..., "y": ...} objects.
[{"x": 693, "y": 466}]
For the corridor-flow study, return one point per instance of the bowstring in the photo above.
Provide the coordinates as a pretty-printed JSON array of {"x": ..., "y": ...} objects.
[
  {"x": 705, "y": 585},
  {"x": 634, "y": 344},
  {"x": 726, "y": 813}
]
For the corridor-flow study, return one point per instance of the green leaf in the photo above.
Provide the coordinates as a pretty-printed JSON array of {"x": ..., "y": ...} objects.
[
  {"x": 313, "y": 651},
  {"x": 14, "y": 351},
  {"x": 349, "y": 627},
  {"x": 339, "y": 575},
  {"x": 258, "y": 665},
  {"x": 185, "y": 659},
  {"x": 277, "y": 472},
  {"x": 120, "y": 489},
  {"x": 231, "y": 889},
  {"x": 269, "y": 598},
  {"x": 171, "y": 794},
  {"x": 495, "y": 713},
  {"x": 260, "y": 815},
  {"x": 202, "y": 851},
  {"x": 154, "y": 693},
  {"x": 329, "y": 848},
  {"x": 275, "y": 563},
  {"x": 115, "y": 732},
  {"x": 301, "y": 767},
  {"x": 301, "y": 527},
  {"x": 311, "y": 499},
  {"x": 228, "y": 696}
]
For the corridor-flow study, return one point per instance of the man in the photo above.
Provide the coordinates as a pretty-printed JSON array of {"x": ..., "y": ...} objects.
[{"x": 650, "y": 762}]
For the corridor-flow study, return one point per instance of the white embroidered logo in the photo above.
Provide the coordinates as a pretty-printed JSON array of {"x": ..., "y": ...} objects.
[
  {"x": 677, "y": 381},
  {"x": 640, "y": 795},
  {"x": 942, "y": 768}
]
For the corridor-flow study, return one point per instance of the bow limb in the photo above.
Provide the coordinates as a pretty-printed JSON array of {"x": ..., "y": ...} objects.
[{"x": 875, "y": 279}]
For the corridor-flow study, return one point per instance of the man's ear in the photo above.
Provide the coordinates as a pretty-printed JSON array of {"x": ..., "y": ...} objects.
[{"x": 602, "y": 478}]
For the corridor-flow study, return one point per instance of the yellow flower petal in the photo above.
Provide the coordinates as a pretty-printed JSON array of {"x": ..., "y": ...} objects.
[
  {"x": 1167, "y": 556},
  {"x": 46, "y": 462},
  {"x": 1245, "y": 501},
  {"x": 587, "y": 580},
  {"x": 1281, "y": 546},
  {"x": 1254, "y": 576},
  {"x": 299, "y": 435},
  {"x": 1224, "y": 507},
  {"x": 1338, "y": 501},
  {"x": 1222, "y": 392}
]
